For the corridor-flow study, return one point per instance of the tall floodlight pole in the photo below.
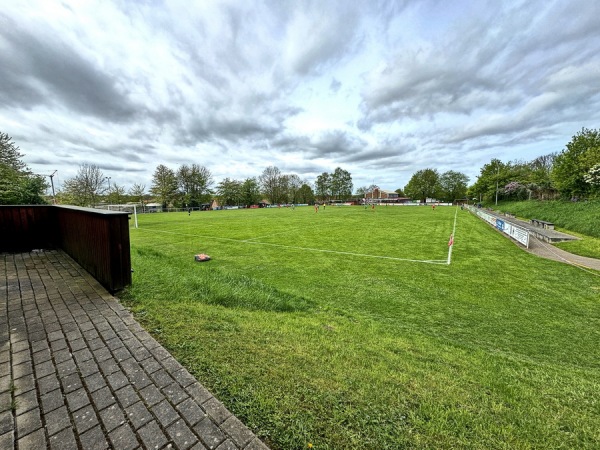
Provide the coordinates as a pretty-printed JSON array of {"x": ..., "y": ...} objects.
[
  {"x": 497, "y": 175},
  {"x": 52, "y": 184}
]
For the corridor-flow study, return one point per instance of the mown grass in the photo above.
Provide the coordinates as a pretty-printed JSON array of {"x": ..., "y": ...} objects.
[
  {"x": 579, "y": 218},
  {"x": 343, "y": 350}
]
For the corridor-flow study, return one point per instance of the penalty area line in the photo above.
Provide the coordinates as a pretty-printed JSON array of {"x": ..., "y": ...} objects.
[{"x": 309, "y": 249}]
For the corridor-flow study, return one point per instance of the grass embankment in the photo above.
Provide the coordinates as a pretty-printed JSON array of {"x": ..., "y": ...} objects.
[
  {"x": 579, "y": 218},
  {"x": 498, "y": 350}
]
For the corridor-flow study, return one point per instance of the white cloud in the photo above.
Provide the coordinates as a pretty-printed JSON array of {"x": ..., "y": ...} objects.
[{"x": 382, "y": 88}]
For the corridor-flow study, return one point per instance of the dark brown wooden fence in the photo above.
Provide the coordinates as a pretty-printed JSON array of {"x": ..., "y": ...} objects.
[{"x": 98, "y": 240}]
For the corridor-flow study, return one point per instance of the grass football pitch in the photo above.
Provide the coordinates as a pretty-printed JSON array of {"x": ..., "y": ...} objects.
[{"x": 347, "y": 329}]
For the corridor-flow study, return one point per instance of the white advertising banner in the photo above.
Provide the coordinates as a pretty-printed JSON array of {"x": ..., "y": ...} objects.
[{"x": 519, "y": 234}]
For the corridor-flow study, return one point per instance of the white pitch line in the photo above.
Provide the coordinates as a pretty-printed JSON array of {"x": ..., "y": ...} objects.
[
  {"x": 268, "y": 235},
  {"x": 320, "y": 250}
]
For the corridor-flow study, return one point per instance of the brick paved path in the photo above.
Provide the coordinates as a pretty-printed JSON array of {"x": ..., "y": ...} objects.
[{"x": 78, "y": 372}]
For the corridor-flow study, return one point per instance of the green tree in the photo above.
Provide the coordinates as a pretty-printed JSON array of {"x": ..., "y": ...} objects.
[
  {"x": 323, "y": 186},
  {"x": 341, "y": 184},
  {"x": 271, "y": 184},
  {"x": 540, "y": 181},
  {"x": 575, "y": 161},
  {"x": 294, "y": 183},
  {"x": 164, "y": 185},
  {"x": 116, "y": 194},
  {"x": 305, "y": 194},
  {"x": 453, "y": 185},
  {"x": 85, "y": 188},
  {"x": 230, "y": 192},
  {"x": 400, "y": 192},
  {"x": 138, "y": 192},
  {"x": 17, "y": 184},
  {"x": 491, "y": 180},
  {"x": 250, "y": 192},
  {"x": 423, "y": 184},
  {"x": 194, "y": 183}
]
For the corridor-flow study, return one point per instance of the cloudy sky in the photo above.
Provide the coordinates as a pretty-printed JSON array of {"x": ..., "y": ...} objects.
[{"x": 379, "y": 88}]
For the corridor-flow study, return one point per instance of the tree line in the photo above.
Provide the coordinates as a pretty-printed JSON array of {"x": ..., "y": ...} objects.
[{"x": 573, "y": 173}]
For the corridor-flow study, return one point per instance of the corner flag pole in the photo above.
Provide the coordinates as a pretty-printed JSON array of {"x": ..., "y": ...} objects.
[{"x": 451, "y": 241}]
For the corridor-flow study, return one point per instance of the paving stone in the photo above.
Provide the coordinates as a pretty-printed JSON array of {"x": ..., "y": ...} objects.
[
  {"x": 227, "y": 445},
  {"x": 21, "y": 357},
  {"x": 94, "y": 382},
  {"x": 103, "y": 398},
  {"x": 175, "y": 393},
  {"x": 123, "y": 438},
  {"x": 24, "y": 384},
  {"x": 48, "y": 384},
  {"x": 181, "y": 435},
  {"x": 82, "y": 355},
  {"x": 127, "y": 396},
  {"x": 112, "y": 417},
  {"x": 209, "y": 433},
  {"x": 161, "y": 378},
  {"x": 71, "y": 383},
  {"x": 46, "y": 368},
  {"x": 138, "y": 414},
  {"x": 151, "y": 395},
  {"x": 152, "y": 436},
  {"x": 117, "y": 380},
  {"x": 7, "y": 440},
  {"x": 28, "y": 422},
  {"x": 109, "y": 366},
  {"x": 198, "y": 392},
  {"x": 62, "y": 355},
  {"x": 140, "y": 353},
  {"x": 165, "y": 413},
  {"x": 150, "y": 365},
  {"x": 55, "y": 335},
  {"x": 256, "y": 444},
  {"x": 26, "y": 402},
  {"x": 216, "y": 410},
  {"x": 42, "y": 356},
  {"x": 96, "y": 344},
  {"x": 57, "y": 420},
  {"x": 240, "y": 434},
  {"x": 34, "y": 440},
  {"x": 5, "y": 401},
  {"x": 161, "y": 353},
  {"x": 184, "y": 378},
  {"x": 78, "y": 344},
  {"x": 84, "y": 419},
  {"x": 139, "y": 379},
  {"x": 94, "y": 439},
  {"x": 65, "y": 440},
  {"x": 121, "y": 354},
  {"x": 23, "y": 369},
  {"x": 191, "y": 412},
  {"x": 59, "y": 344},
  {"x": 77, "y": 399},
  {"x": 88, "y": 367},
  {"x": 66, "y": 368},
  {"x": 6, "y": 422},
  {"x": 102, "y": 354}
]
